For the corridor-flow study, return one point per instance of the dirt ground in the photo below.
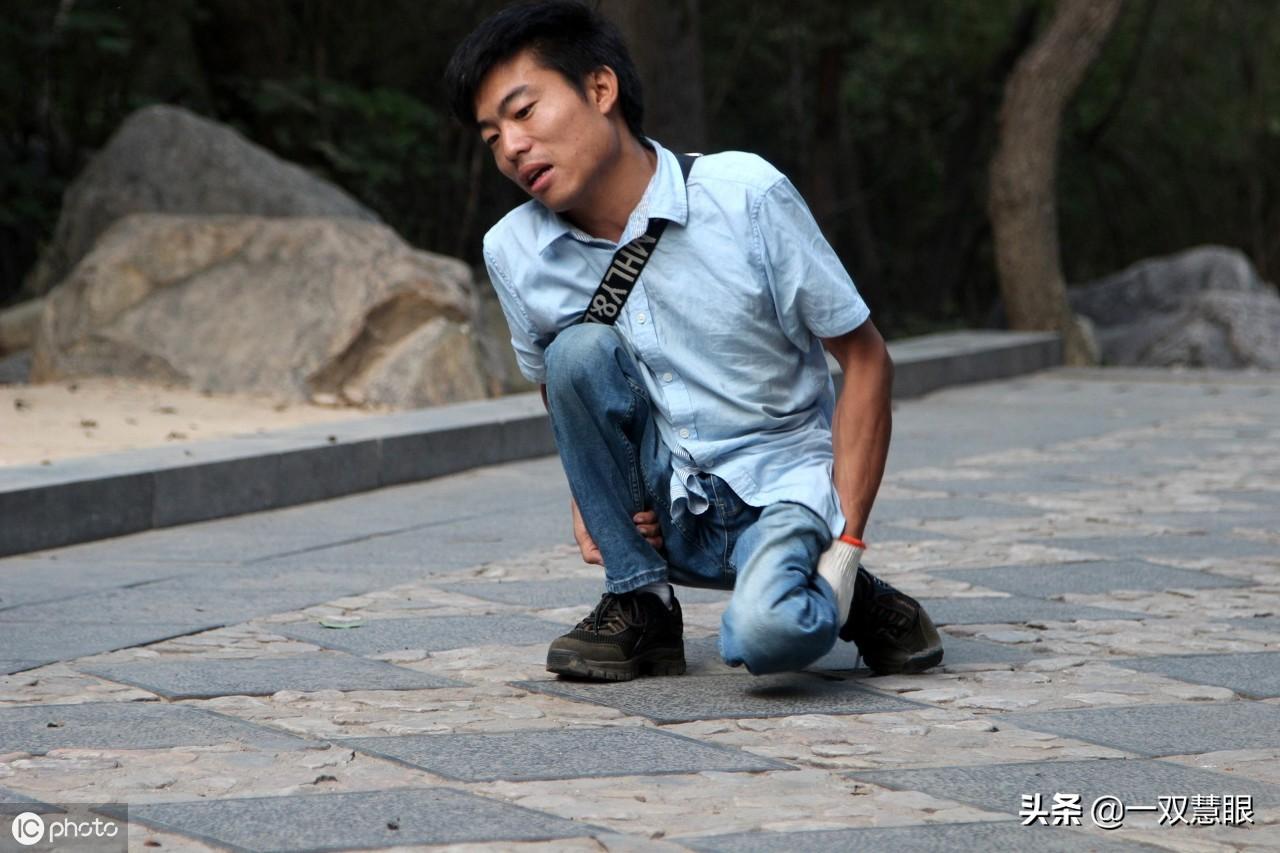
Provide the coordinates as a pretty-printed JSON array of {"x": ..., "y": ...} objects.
[{"x": 45, "y": 423}]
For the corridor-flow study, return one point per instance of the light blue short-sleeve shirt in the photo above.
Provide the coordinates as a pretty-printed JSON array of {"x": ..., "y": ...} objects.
[{"x": 725, "y": 323}]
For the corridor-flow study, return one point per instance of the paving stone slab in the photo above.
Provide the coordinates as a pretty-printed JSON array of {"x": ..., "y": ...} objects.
[
  {"x": 1262, "y": 497},
  {"x": 1014, "y": 610},
  {"x": 129, "y": 725},
  {"x": 320, "y": 584},
  {"x": 1137, "y": 782},
  {"x": 893, "y": 509},
  {"x": 729, "y": 696},
  {"x": 561, "y": 754},
  {"x": 1220, "y": 523},
  {"x": 470, "y": 519},
  {"x": 169, "y": 601},
  {"x": 1101, "y": 576},
  {"x": 46, "y": 642},
  {"x": 988, "y": 836},
  {"x": 1253, "y": 674},
  {"x": 1181, "y": 547},
  {"x": 363, "y": 820},
  {"x": 464, "y": 540},
  {"x": 967, "y": 650},
  {"x": 541, "y": 595},
  {"x": 1160, "y": 730},
  {"x": 432, "y": 634},
  {"x": 28, "y": 580},
  {"x": 1101, "y": 472},
  {"x": 203, "y": 679},
  {"x": 878, "y": 534},
  {"x": 702, "y": 656},
  {"x": 18, "y": 591},
  {"x": 12, "y": 804},
  {"x": 210, "y": 541},
  {"x": 1000, "y": 486},
  {"x": 1258, "y": 623},
  {"x": 248, "y": 537},
  {"x": 9, "y": 667}
]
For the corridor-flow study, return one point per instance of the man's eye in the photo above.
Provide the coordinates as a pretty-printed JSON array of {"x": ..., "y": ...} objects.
[
  {"x": 523, "y": 112},
  {"x": 491, "y": 140}
]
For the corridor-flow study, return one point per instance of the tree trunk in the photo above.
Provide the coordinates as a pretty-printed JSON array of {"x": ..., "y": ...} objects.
[
  {"x": 664, "y": 37},
  {"x": 1023, "y": 203}
]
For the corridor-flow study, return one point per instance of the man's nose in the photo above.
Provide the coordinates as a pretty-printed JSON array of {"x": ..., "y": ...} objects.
[{"x": 514, "y": 143}]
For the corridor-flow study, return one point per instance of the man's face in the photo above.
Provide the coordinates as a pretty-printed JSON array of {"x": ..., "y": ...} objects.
[{"x": 543, "y": 133}]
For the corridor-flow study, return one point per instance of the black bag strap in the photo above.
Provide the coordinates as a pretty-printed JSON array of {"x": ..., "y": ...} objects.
[{"x": 627, "y": 264}]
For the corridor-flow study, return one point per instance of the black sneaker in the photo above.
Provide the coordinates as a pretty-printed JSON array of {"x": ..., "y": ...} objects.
[
  {"x": 625, "y": 636},
  {"x": 893, "y": 632}
]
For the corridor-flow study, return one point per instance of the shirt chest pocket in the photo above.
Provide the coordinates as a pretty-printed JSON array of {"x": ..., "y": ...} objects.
[
  {"x": 737, "y": 328},
  {"x": 725, "y": 311}
]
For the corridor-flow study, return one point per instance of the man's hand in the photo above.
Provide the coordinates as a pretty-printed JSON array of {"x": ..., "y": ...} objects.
[
  {"x": 587, "y": 545},
  {"x": 646, "y": 522}
]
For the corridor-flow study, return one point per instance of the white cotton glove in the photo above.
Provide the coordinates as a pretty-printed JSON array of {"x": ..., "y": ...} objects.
[{"x": 838, "y": 565}]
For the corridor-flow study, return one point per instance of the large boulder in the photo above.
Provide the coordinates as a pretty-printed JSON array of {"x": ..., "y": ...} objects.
[
  {"x": 18, "y": 326},
  {"x": 164, "y": 159},
  {"x": 1205, "y": 307},
  {"x": 293, "y": 308},
  {"x": 1215, "y": 328}
]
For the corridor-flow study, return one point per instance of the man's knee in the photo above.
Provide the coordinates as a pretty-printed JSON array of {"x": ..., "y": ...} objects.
[
  {"x": 778, "y": 637},
  {"x": 580, "y": 351}
]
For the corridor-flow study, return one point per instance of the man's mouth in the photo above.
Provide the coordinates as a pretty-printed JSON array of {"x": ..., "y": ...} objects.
[{"x": 538, "y": 179}]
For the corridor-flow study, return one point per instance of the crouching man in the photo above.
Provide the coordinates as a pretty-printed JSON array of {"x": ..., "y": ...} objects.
[{"x": 675, "y": 312}]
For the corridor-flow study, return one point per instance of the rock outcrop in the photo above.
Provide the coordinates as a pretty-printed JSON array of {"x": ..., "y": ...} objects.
[
  {"x": 164, "y": 159},
  {"x": 1206, "y": 307},
  {"x": 18, "y": 326},
  {"x": 295, "y": 308}
]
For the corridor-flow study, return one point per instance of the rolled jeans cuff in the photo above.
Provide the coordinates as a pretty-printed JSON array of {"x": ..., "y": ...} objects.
[{"x": 635, "y": 581}]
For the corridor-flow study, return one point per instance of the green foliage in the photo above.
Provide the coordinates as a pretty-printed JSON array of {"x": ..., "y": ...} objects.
[
  {"x": 920, "y": 88},
  {"x": 1171, "y": 142},
  {"x": 376, "y": 140},
  {"x": 70, "y": 72}
]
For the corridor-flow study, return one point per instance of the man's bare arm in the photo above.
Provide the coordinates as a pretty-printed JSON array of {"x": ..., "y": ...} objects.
[{"x": 863, "y": 422}]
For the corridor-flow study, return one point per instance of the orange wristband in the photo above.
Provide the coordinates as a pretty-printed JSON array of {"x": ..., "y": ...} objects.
[{"x": 857, "y": 543}]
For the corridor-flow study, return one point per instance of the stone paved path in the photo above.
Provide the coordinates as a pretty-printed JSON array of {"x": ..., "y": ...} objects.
[{"x": 1101, "y": 548}]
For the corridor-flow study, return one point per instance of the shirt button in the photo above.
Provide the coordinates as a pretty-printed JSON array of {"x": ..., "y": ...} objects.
[
  {"x": 684, "y": 433},
  {"x": 667, "y": 377},
  {"x": 640, "y": 318}
]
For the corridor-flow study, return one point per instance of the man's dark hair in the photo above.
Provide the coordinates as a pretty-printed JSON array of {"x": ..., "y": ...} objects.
[{"x": 565, "y": 36}]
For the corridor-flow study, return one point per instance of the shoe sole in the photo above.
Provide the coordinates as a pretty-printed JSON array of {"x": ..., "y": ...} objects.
[
  {"x": 653, "y": 662},
  {"x": 918, "y": 662}
]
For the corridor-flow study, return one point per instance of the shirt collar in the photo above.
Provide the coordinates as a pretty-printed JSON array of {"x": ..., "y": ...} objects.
[{"x": 666, "y": 197}]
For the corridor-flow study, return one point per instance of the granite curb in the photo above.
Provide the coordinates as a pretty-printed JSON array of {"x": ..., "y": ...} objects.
[{"x": 97, "y": 497}]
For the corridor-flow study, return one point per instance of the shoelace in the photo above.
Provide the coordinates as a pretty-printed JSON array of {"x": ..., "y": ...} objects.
[
  {"x": 614, "y": 613},
  {"x": 892, "y": 619}
]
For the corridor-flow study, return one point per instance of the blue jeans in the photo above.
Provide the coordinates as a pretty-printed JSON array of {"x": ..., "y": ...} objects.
[{"x": 782, "y": 615}]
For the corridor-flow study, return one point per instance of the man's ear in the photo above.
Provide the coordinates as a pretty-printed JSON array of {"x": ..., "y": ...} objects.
[{"x": 602, "y": 89}]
